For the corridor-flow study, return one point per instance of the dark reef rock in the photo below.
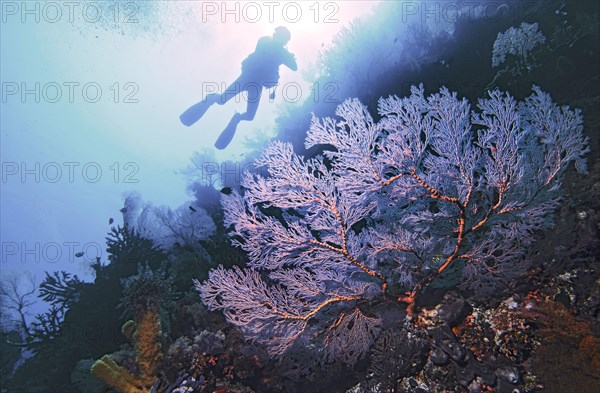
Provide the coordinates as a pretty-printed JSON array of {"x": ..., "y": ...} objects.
[
  {"x": 509, "y": 374},
  {"x": 453, "y": 309},
  {"x": 439, "y": 357}
]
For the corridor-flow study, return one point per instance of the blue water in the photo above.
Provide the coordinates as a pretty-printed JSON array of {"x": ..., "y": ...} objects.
[{"x": 92, "y": 92}]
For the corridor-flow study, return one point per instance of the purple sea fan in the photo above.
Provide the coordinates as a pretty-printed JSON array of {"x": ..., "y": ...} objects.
[{"x": 390, "y": 207}]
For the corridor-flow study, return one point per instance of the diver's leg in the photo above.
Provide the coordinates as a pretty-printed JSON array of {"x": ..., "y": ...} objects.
[
  {"x": 228, "y": 133},
  {"x": 235, "y": 88},
  {"x": 254, "y": 93},
  {"x": 196, "y": 111}
]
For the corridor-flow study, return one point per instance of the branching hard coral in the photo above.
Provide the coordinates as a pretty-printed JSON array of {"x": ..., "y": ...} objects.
[
  {"x": 61, "y": 289},
  {"x": 432, "y": 187},
  {"x": 126, "y": 247},
  {"x": 47, "y": 327}
]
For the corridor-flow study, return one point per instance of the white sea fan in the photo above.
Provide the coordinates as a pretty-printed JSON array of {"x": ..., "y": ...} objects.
[{"x": 517, "y": 41}]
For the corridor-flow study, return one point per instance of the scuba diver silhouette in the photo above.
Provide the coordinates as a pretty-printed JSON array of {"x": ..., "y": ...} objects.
[{"x": 260, "y": 69}]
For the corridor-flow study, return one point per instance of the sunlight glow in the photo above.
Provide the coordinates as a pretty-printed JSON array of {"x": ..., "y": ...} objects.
[{"x": 171, "y": 50}]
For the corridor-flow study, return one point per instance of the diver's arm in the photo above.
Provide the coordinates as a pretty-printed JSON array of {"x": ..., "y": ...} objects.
[{"x": 290, "y": 61}]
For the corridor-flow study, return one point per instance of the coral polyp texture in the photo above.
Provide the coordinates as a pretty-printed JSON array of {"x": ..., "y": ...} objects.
[{"x": 433, "y": 190}]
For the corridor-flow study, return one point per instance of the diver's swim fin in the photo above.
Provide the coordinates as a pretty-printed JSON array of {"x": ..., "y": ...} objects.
[
  {"x": 196, "y": 111},
  {"x": 227, "y": 134}
]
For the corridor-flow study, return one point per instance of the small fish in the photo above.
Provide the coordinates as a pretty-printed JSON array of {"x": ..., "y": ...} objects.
[
  {"x": 110, "y": 221},
  {"x": 192, "y": 209},
  {"x": 395, "y": 40},
  {"x": 79, "y": 254},
  {"x": 226, "y": 190}
]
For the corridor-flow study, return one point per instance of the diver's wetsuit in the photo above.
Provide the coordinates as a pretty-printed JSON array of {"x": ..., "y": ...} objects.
[{"x": 260, "y": 69}]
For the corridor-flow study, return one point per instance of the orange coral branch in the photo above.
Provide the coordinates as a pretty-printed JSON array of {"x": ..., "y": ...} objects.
[
  {"x": 318, "y": 308},
  {"x": 433, "y": 192}
]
